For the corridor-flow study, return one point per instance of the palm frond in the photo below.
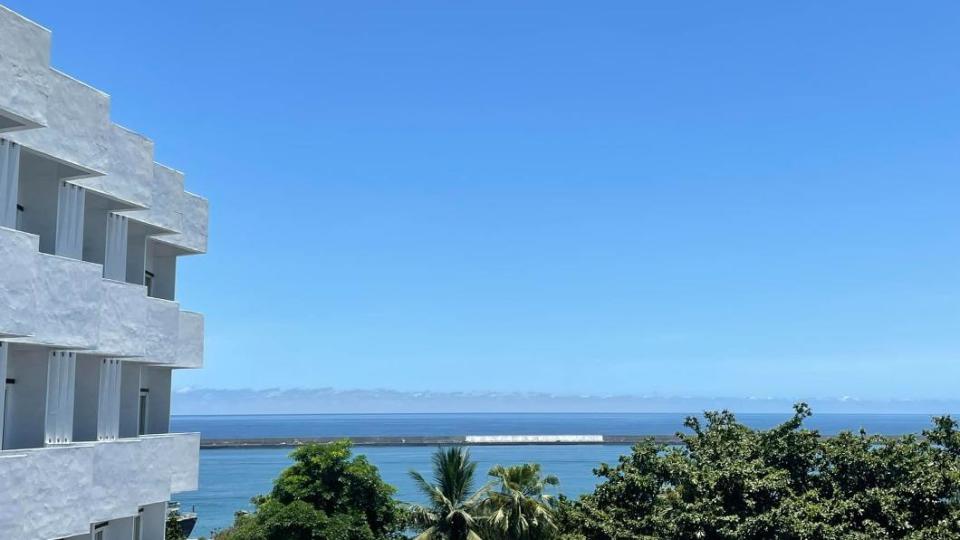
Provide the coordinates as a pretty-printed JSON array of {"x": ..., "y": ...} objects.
[
  {"x": 455, "y": 510},
  {"x": 426, "y": 535}
]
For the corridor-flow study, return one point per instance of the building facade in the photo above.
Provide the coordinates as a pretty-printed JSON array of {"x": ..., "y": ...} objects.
[{"x": 91, "y": 229}]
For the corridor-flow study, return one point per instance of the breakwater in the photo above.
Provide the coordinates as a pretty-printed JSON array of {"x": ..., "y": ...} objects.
[{"x": 434, "y": 440}]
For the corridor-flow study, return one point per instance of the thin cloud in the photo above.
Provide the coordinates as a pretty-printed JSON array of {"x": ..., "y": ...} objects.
[{"x": 192, "y": 400}]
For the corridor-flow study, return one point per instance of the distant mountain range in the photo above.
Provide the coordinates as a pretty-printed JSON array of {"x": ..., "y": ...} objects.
[{"x": 329, "y": 400}]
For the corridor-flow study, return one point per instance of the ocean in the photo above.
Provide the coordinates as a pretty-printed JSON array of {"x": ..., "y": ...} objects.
[{"x": 230, "y": 477}]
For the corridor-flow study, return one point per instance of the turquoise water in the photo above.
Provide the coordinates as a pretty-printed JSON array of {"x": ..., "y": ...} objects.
[{"x": 230, "y": 477}]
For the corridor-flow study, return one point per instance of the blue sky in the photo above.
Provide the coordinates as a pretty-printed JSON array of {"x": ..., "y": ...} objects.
[{"x": 746, "y": 199}]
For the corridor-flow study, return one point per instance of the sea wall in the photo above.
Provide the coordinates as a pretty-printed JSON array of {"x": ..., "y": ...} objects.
[{"x": 439, "y": 440}]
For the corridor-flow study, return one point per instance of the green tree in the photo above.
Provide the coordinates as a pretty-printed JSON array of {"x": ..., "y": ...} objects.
[
  {"x": 519, "y": 507},
  {"x": 452, "y": 512},
  {"x": 727, "y": 481},
  {"x": 173, "y": 529},
  {"x": 325, "y": 494}
]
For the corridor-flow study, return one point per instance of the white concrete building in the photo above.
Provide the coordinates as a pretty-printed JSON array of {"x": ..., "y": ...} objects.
[{"x": 90, "y": 330}]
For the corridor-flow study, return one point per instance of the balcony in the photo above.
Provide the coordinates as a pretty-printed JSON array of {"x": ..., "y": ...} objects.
[
  {"x": 66, "y": 303},
  {"x": 25, "y": 59},
  {"x": 106, "y": 480},
  {"x": 190, "y": 348},
  {"x": 78, "y": 132},
  {"x": 193, "y": 236}
]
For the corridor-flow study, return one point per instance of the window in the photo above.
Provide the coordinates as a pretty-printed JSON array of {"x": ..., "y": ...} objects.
[
  {"x": 148, "y": 281},
  {"x": 19, "y": 218},
  {"x": 142, "y": 421}
]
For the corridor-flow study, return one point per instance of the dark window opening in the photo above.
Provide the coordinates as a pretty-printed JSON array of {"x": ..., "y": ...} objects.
[{"x": 148, "y": 281}]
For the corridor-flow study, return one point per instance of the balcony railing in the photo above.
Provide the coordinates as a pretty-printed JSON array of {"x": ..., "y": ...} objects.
[
  {"x": 65, "y": 303},
  {"x": 26, "y": 59},
  {"x": 59, "y": 491}
]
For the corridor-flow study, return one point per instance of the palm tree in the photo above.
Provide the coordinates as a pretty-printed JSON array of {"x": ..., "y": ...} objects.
[
  {"x": 519, "y": 507},
  {"x": 451, "y": 514}
]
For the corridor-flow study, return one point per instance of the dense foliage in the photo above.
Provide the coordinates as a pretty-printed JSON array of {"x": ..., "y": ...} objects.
[
  {"x": 325, "y": 495},
  {"x": 727, "y": 481},
  {"x": 724, "y": 481}
]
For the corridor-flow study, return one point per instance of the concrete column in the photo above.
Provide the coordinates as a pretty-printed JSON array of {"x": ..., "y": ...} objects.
[
  {"x": 61, "y": 374},
  {"x": 119, "y": 529},
  {"x": 108, "y": 406},
  {"x": 115, "y": 259},
  {"x": 9, "y": 182},
  {"x": 70, "y": 204},
  {"x": 153, "y": 521},
  {"x": 136, "y": 254},
  {"x": 25, "y": 422},
  {"x": 129, "y": 399}
]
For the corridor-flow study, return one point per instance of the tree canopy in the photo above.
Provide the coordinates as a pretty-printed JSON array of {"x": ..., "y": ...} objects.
[
  {"x": 325, "y": 494},
  {"x": 724, "y": 481},
  {"x": 727, "y": 481}
]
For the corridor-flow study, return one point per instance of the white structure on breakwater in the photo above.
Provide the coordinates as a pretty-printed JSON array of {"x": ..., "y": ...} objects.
[
  {"x": 90, "y": 330},
  {"x": 533, "y": 439}
]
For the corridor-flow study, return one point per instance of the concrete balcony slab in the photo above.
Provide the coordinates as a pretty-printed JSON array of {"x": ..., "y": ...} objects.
[{"x": 105, "y": 480}]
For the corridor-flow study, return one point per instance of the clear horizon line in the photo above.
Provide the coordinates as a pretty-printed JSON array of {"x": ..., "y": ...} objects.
[{"x": 562, "y": 395}]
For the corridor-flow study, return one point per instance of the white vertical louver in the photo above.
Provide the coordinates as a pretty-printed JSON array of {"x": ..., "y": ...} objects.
[
  {"x": 108, "y": 407},
  {"x": 115, "y": 260},
  {"x": 70, "y": 205},
  {"x": 9, "y": 182},
  {"x": 61, "y": 376}
]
